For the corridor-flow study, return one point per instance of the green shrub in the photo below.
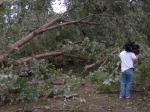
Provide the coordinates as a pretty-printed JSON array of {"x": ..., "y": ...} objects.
[
  {"x": 104, "y": 81},
  {"x": 142, "y": 75},
  {"x": 18, "y": 87}
]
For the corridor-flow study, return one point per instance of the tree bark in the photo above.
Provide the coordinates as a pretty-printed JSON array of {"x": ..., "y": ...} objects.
[
  {"x": 39, "y": 56},
  {"x": 49, "y": 54}
]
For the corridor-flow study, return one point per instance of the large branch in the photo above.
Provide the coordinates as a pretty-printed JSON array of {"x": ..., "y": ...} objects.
[
  {"x": 39, "y": 56},
  {"x": 53, "y": 24},
  {"x": 48, "y": 26},
  {"x": 49, "y": 54},
  {"x": 25, "y": 39},
  {"x": 36, "y": 32}
]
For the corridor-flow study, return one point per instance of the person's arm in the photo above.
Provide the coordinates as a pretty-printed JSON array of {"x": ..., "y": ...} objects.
[
  {"x": 135, "y": 58},
  {"x": 135, "y": 61}
]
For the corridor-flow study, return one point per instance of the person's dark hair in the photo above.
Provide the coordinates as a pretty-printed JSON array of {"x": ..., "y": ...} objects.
[{"x": 132, "y": 47}]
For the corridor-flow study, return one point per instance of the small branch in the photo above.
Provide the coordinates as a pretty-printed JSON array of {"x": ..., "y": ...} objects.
[{"x": 101, "y": 62}]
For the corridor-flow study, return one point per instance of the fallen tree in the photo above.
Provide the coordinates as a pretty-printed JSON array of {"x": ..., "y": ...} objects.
[
  {"x": 49, "y": 54},
  {"x": 50, "y": 25},
  {"x": 47, "y": 27}
]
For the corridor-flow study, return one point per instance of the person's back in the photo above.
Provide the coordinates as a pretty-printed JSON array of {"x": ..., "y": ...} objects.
[{"x": 127, "y": 60}]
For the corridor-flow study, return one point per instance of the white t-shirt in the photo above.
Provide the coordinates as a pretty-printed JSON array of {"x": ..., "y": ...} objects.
[{"x": 127, "y": 59}]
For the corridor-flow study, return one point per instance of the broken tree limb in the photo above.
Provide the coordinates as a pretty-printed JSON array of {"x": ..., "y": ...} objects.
[
  {"x": 53, "y": 24},
  {"x": 25, "y": 39},
  {"x": 32, "y": 34},
  {"x": 48, "y": 54},
  {"x": 45, "y": 28},
  {"x": 38, "y": 31},
  {"x": 101, "y": 62},
  {"x": 56, "y": 20},
  {"x": 39, "y": 56}
]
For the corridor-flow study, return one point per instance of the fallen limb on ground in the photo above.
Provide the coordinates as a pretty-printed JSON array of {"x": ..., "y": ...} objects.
[
  {"x": 101, "y": 62},
  {"x": 39, "y": 56},
  {"x": 49, "y": 54}
]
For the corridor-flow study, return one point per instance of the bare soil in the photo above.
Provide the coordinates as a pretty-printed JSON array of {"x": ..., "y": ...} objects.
[{"x": 87, "y": 101}]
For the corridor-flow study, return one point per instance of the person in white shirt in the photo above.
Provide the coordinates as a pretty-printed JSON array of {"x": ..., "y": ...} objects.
[{"x": 127, "y": 58}]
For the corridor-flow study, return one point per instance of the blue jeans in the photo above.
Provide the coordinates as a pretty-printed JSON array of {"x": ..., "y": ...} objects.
[{"x": 126, "y": 82}]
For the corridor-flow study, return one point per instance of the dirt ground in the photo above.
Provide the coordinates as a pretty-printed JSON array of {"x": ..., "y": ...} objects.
[{"x": 86, "y": 101}]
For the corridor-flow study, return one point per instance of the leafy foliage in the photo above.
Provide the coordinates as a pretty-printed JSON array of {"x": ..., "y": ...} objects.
[
  {"x": 104, "y": 81},
  {"x": 116, "y": 22},
  {"x": 22, "y": 86},
  {"x": 142, "y": 75}
]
